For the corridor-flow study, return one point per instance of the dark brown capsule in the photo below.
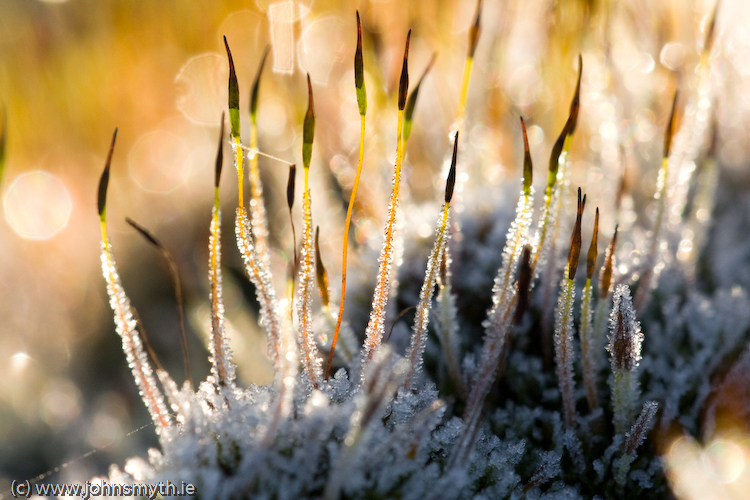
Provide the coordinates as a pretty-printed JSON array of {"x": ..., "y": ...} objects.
[
  {"x": 451, "y": 182},
  {"x": 403, "y": 86},
  {"x": 554, "y": 158},
  {"x": 711, "y": 31},
  {"x": 256, "y": 87},
  {"x": 593, "y": 251},
  {"x": 528, "y": 170},
  {"x": 219, "y": 153},
  {"x": 605, "y": 275},
  {"x": 474, "y": 31},
  {"x": 575, "y": 104},
  {"x": 104, "y": 180},
  {"x": 670, "y": 128},
  {"x": 290, "y": 186},
  {"x": 575, "y": 239}
]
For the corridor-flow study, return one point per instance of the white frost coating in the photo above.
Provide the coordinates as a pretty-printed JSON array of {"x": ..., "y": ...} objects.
[
  {"x": 625, "y": 339},
  {"x": 625, "y": 342},
  {"x": 422, "y": 318},
  {"x": 498, "y": 323},
  {"x": 590, "y": 347},
  {"x": 634, "y": 439},
  {"x": 376, "y": 324},
  {"x": 269, "y": 311},
  {"x": 564, "y": 352},
  {"x": 504, "y": 289},
  {"x": 222, "y": 368},
  {"x": 131, "y": 342},
  {"x": 311, "y": 362}
]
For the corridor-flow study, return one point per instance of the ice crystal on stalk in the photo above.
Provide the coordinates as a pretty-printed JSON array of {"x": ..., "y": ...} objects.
[
  {"x": 269, "y": 313},
  {"x": 131, "y": 342},
  {"x": 222, "y": 367},
  {"x": 308, "y": 349}
]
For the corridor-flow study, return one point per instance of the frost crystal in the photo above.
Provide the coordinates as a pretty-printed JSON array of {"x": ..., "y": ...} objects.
[
  {"x": 131, "y": 342},
  {"x": 222, "y": 367},
  {"x": 269, "y": 313},
  {"x": 422, "y": 318},
  {"x": 308, "y": 349}
]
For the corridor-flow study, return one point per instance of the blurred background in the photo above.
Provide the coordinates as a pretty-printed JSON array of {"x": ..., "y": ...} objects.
[{"x": 71, "y": 71}]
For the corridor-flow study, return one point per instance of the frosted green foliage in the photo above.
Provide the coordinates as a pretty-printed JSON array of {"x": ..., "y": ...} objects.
[
  {"x": 222, "y": 368},
  {"x": 131, "y": 342},
  {"x": 591, "y": 350},
  {"x": 422, "y": 318},
  {"x": 447, "y": 326},
  {"x": 564, "y": 351},
  {"x": 498, "y": 323},
  {"x": 633, "y": 440},
  {"x": 625, "y": 354}
]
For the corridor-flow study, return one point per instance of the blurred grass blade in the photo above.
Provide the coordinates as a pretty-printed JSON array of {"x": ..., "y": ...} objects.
[
  {"x": 256, "y": 87},
  {"x": 3, "y": 138},
  {"x": 412, "y": 101},
  {"x": 177, "y": 283},
  {"x": 605, "y": 275},
  {"x": 670, "y": 128},
  {"x": 320, "y": 271}
]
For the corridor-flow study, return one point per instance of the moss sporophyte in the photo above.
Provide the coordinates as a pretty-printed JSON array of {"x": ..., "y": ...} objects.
[{"x": 462, "y": 406}]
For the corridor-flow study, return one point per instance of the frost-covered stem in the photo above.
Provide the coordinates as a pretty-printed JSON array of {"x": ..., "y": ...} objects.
[
  {"x": 589, "y": 352},
  {"x": 269, "y": 312},
  {"x": 598, "y": 329},
  {"x": 624, "y": 389},
  {"x": 131, "y": 342},
  {"x": 376, "y": 325},
  {"x": 634, "y": 439},
  {"x": 311, "y": 362},
  {"x": 564, "y": 353},
  {"x": 422, "y": 318},
  {"x": 447, "y": 326},
  {"x": 625, "y": 349},
  {"x": 222, "y": 368}
]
